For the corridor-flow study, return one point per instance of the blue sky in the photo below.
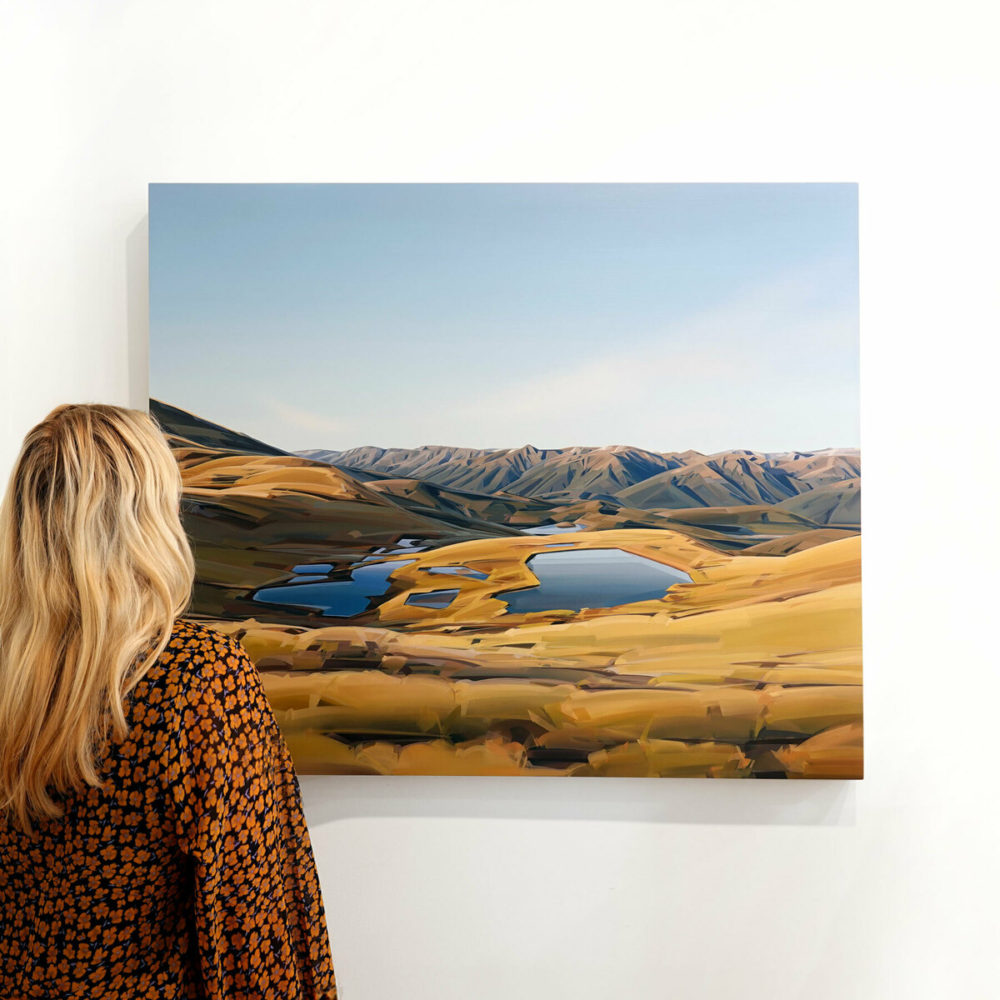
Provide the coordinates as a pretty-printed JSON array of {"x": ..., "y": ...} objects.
[{"x": 666, "y": 316}]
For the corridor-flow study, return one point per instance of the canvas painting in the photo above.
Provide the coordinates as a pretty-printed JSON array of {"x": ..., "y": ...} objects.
[{"x": 556, "y": 480}]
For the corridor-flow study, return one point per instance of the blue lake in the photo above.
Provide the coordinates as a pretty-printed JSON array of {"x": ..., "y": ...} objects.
[
  {"x": 334, "y": 598},
  {"x": 569, "y": 579},
  {"x": 591, "y": 578}
]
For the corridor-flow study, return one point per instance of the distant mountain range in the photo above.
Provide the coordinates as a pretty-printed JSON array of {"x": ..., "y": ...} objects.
[
  {"x": 627, "y": 475},
  {"x": 823, "y": 487}
]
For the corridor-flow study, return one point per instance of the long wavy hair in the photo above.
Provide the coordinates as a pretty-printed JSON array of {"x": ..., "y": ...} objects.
[{"x": 95, "y": 568}]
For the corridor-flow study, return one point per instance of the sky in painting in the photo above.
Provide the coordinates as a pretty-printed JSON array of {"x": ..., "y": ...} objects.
[{"x": 665, "y": 316}]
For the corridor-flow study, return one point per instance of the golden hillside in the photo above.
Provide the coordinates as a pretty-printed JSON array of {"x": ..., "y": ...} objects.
[{"x": 753, "y": 669}]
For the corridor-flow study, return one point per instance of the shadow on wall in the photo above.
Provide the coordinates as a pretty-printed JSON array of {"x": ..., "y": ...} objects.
[
  {"x": 137, "y": 313},
  {"x": 329, "y": 798}
]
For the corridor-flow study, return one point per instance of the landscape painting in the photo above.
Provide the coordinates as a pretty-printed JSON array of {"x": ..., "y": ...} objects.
[{"x": 555, "y": 480}]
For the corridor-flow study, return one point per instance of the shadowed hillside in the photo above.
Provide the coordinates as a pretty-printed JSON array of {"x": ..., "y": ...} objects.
[
  {"x": 831, "y": 503},
  {"x": 196, "y": 430}
]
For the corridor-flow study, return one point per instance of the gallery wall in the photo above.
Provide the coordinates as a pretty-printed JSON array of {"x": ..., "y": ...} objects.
[{"x": 446, "y": 888}]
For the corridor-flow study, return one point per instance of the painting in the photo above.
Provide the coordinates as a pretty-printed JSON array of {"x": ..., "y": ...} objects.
[{"x": 554, "y": 480}]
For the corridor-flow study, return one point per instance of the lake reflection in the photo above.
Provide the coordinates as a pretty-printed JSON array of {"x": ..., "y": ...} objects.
[{"x": 591, "y": 578}]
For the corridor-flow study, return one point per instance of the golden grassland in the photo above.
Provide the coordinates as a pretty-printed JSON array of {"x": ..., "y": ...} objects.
[{"x": 751, "y": 670}]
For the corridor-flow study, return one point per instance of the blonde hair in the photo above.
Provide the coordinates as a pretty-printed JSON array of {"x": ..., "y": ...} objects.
[{"x": 95, "y": 568}]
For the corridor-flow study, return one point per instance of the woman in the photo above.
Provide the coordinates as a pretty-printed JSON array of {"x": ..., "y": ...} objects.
[{"x": 152, "y": 841}]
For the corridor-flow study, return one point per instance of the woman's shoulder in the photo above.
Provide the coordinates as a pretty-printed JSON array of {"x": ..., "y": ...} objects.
[
  {"x": 197, "y": 657},
  {"x": 194, "y": 640},
  {"x": 202, "y": 678}
]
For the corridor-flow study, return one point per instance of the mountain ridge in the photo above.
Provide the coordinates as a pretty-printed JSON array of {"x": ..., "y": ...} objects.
[{"x": 626, "y": 474}]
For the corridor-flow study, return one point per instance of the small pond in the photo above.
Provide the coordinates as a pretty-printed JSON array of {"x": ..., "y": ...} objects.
[
  {"x": 434, "y": 599},
  {"x": 334, "y": 598},
  {"x": 473, "y": 574}
]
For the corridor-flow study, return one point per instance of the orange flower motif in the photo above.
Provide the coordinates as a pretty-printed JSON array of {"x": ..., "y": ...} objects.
[{"x": 199, "y": 831}]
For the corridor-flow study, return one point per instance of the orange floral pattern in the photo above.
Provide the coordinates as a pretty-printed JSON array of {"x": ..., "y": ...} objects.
[{"x": 191, "y": 873}]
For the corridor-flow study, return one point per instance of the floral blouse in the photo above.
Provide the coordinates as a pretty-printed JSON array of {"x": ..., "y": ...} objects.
[{"x": 191, "y": 874}]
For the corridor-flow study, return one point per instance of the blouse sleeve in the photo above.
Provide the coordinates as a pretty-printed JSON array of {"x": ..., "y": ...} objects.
[{"x": 258, "y": 911}]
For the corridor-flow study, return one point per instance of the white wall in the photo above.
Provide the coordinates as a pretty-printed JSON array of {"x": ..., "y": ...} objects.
[{"x": 445, "y": 889}]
